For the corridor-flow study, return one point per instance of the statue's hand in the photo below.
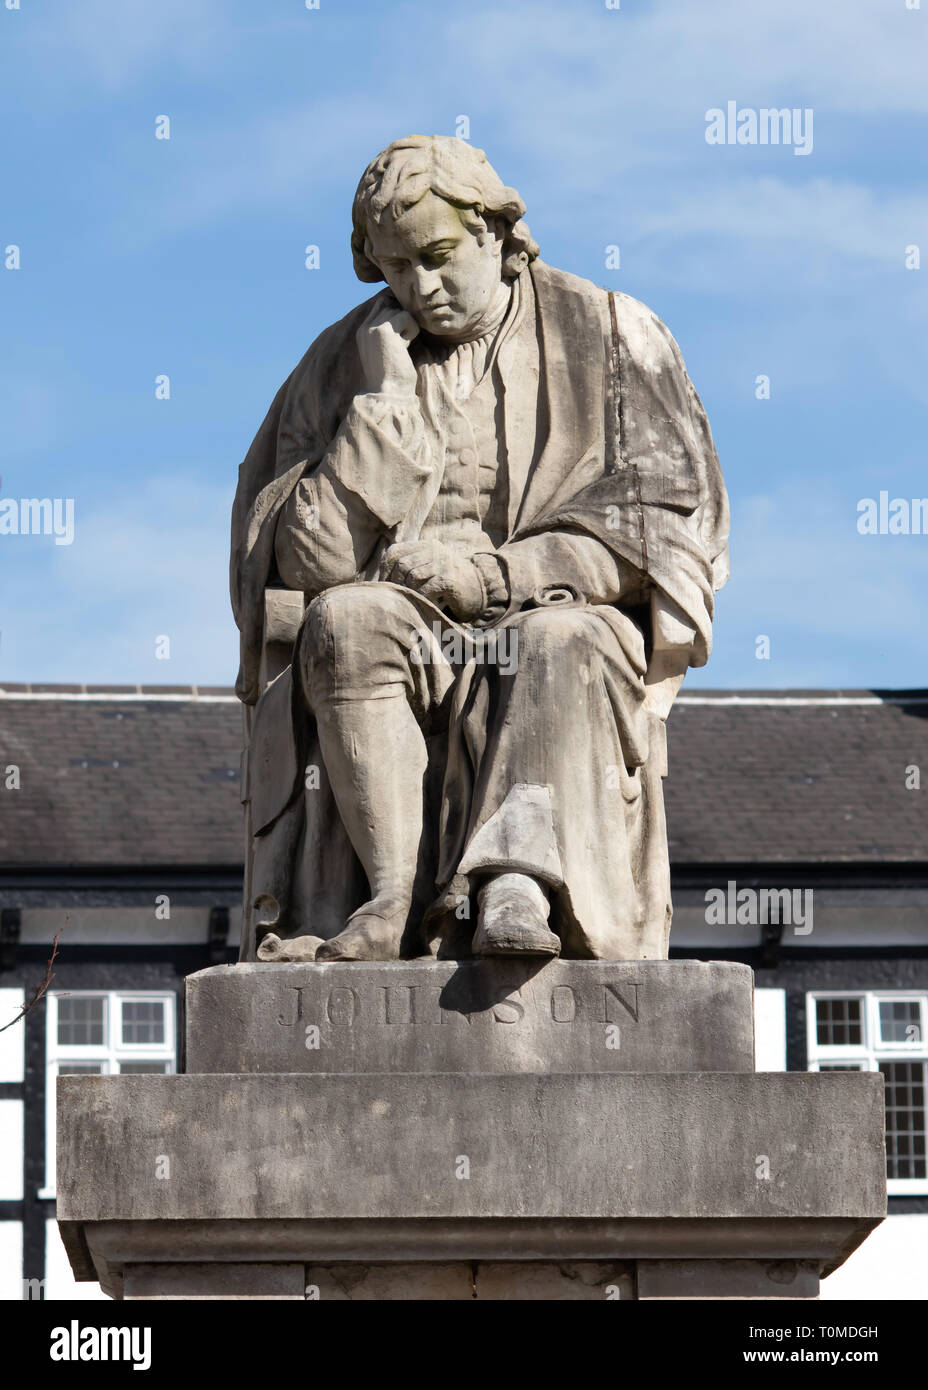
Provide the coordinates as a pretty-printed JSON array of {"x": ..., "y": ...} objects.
[
  {"x": 450, "y": 580},
  {"x": 383, "y": 346}
]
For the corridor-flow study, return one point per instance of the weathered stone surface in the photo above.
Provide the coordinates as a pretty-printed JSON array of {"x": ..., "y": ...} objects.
[
  {"x": 509, "y": 1146},
  {"x": 500, "y": 1280},
  {"x": 358, "y": 1283},
  {"x": 443, "y": 1169},
  {"x": 672, "y": 1279},
  {"x": 223, "y": 1281},
  {"x": 580, "y": 1279},
  {"x": 110, "y": 1244},
  {"x": 472, "y": 1016}
]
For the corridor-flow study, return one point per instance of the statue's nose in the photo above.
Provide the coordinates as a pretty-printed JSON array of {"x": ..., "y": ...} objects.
[{"x": 427, "y": 283}]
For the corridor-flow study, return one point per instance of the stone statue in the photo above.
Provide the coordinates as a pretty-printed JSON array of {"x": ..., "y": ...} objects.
[{"x": 488, "y": 506}]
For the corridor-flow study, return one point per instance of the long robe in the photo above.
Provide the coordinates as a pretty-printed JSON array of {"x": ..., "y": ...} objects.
[{"x": 625, "y": 456}]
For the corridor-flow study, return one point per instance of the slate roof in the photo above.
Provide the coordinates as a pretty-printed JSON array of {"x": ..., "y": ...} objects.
[
  {"x": 121, "y": 777},
  {"x": 801, "y": 776},
  {"x": 148, "y": 777}
]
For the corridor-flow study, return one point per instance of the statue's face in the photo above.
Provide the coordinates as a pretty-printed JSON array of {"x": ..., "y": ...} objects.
[{"x": 441, "y": 272}]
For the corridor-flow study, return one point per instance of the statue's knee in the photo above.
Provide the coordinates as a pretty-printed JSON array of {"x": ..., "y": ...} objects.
[
  {"x": 348, "y": 626},
  {"x": 335, "y": 609},
  {"x": 316, "y": 636}
]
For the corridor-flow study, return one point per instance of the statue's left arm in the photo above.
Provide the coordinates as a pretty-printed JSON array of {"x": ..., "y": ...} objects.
[{"x": 656, "y": 516}]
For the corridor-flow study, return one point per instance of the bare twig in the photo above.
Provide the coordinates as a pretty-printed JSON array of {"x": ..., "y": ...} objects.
[{"x": 39, "y": 989}]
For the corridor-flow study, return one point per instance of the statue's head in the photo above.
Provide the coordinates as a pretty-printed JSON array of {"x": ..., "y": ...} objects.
[{"x": 432, "y": 218}]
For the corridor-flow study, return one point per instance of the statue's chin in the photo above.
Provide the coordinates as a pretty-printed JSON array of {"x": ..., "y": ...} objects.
[
  {"x": 443, "y": 328},
  {"x": 454, "y": 331},
  {"x": 461, "y": 324}
]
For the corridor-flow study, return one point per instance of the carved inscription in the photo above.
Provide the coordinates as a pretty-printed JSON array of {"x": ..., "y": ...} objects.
[{"x": 428, "y": 1006}]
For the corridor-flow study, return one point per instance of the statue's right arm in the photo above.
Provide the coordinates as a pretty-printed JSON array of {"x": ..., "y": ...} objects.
[{"x": 363, "y": 484}]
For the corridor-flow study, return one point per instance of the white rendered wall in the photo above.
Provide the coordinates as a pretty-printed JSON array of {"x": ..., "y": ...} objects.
[
  {"x": 11, "y": 1260},
  {"x": 59, "y": 1281},
  {"x": 11, "y": 1039},
  {"x": 770, "y": 1030},
  {"x": 11, "y": 1150},
  {"x": 891, "y": 1263}
]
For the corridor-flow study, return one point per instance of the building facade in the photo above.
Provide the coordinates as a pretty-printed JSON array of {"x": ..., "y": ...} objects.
[{"x": 797, "y": 826}]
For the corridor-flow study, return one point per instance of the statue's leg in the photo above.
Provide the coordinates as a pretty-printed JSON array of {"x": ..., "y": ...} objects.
[
  {"x": 368, "y": 698},
  {"x": 561, "y": 737},
  {"x": 513, "y": 911},
  {"x": 375, "y": 756}
]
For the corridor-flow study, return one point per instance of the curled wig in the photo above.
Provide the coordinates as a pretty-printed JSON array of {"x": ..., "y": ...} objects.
[{"x": 451, "y": 169}]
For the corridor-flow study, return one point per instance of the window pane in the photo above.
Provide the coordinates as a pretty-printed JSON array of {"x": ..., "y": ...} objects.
[
  {"x": 900, "y": 1021},
  {"x": 80, "y": 1021},
  {"x": 838, "y": 1022},
  {"x": 80, "y": 1068},
  {"x": 143, "y": 1068},
  {"x": 142, "y": 1021},
  {"x": 840, "y": 1066},
  {"x": 905, "y": 1119}
]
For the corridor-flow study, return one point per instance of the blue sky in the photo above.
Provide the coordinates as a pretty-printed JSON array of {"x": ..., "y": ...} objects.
[{"x": 185, "y": 257}]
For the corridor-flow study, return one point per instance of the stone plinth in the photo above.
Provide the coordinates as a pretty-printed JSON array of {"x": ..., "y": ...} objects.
[
  {"x": 472, "y": 1017},
  {"x": 425, "y": 1130}
]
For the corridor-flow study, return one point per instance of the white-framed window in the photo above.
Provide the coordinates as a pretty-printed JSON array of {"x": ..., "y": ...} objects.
[
  {"x": 884, "y": 1031},
  {"x": 104, "y": 1033}
]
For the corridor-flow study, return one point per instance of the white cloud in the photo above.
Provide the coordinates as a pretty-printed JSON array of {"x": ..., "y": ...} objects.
[
  {"x": 828, "y": 217},
  {"x": 307, "y": 158},
  {"x": 840, "y": 609},
  {"x": 145, "y": 563},
  {"x": 855, "y": 57},
  {"x": 116, "y": 41}
]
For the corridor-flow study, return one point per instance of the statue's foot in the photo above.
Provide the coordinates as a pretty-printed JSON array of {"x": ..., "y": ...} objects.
[
  {"x": 513, "y": 919},
  {"x": 367, "y": 936},
  {"x": 298, "y": 948}
]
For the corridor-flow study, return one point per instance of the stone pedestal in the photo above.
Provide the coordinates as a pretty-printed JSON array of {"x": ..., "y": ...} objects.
[
  {"x": 472, "y": 1017},
  {"x": 484, "y": 1130}
]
